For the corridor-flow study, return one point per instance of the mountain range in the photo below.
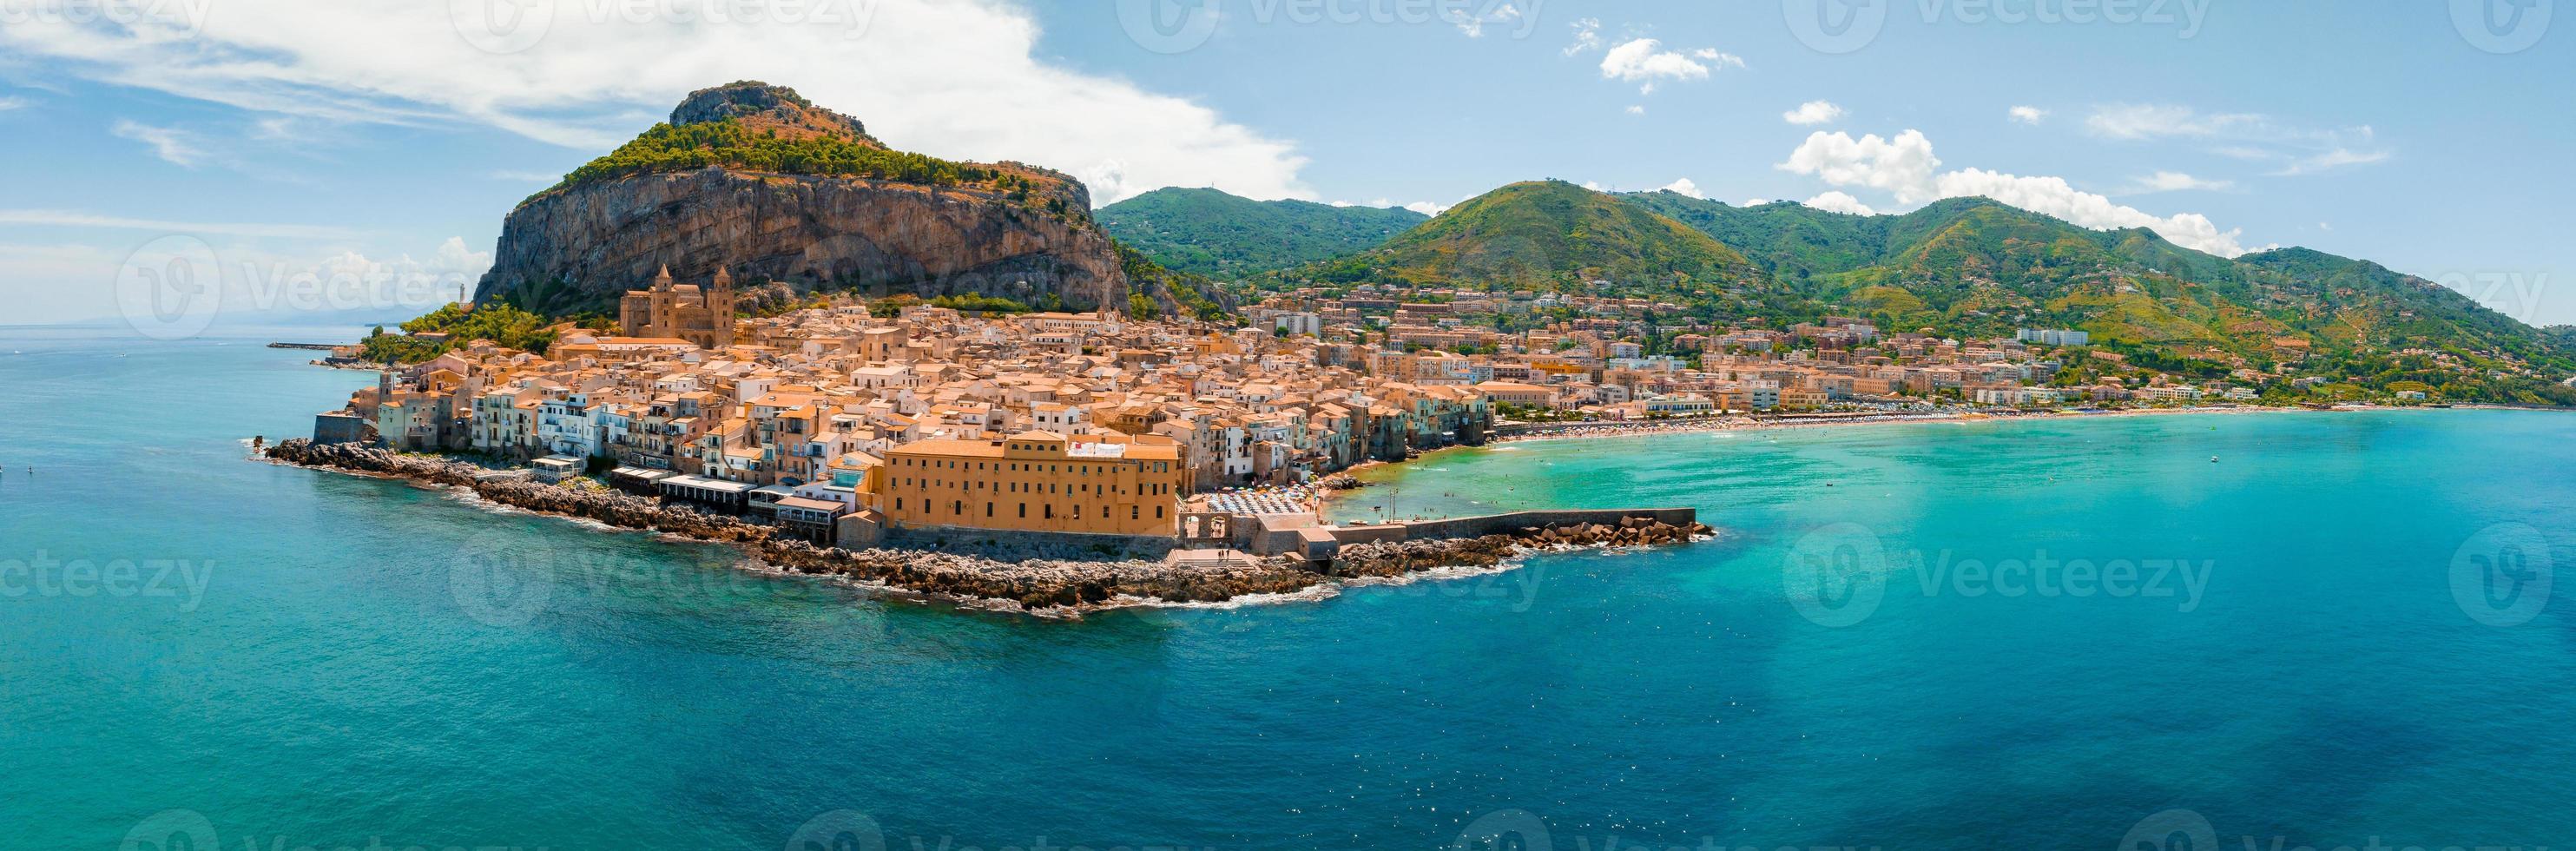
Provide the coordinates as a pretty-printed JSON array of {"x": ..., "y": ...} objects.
[{"x": 1959, "y": 267}]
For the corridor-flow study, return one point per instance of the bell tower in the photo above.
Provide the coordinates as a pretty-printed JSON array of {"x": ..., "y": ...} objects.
[{"x": 720, "y": 300}]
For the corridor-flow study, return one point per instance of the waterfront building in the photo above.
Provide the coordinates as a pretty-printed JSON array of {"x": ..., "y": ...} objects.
[{"x": 1034, "y": 481}]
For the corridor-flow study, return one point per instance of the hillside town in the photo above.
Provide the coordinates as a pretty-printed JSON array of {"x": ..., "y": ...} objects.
[{"x": 1100, "y": 424}]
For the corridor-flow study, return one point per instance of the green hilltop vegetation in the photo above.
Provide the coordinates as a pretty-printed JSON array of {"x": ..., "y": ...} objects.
[
  {"x": 1544, "y": 236},
  {"x": 1208, "y": 232},
  {"x": 754, "y": 126},
  {"x": 500, "y": 323},
  {"x": 731, "y": 143}
]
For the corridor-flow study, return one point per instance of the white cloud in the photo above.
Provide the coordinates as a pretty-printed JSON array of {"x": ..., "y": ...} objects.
[
  {"x": 2027, "y": 114},
  {"x": 1840, "y": 202},
  {"x": 170, "y": 144},
  {"x": 1903, "y": 166},
  {"x": 1473, "y": 24},
  {"x": 2244, "y": 135},
  {"x": 1428, "y": 208},
  {"x": 1754, "y": 202},
  {"x": 1595, "y": 186},
  {"x": 2330, "y": 160},
  {"x": 1645, "y": 61},
  {"x": 1813, "y": 112},
  {"x": 1587, "y": 37},
  {"x": 2150, "y": 121},
  {"x": 1637, "y": 109},
  {"x": 954, "y": 78},
  {"x": 13, "y": 102},
  {"x": 2175, "y": 181},
  {"x": 66, "y": 218},
  {"x": 1684, "y": 186},
  {"x": 2325, "y": 227},
  {"x": 1722, "y": 59},
  {"x": 1907, "y": 169}
]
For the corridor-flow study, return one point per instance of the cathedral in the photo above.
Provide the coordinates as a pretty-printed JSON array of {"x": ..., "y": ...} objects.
[{"x": 685, "y": 312}]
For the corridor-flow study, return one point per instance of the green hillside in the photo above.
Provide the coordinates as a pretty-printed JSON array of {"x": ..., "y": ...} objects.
[
  {"x": 1208, "y": 232},
  {"x": 1547, "y": 236},
  {"x": 1972, "y": 266}
]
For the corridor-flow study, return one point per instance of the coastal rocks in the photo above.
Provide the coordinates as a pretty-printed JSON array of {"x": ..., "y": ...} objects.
[
  {"x": 1341, "y": 482},
  {"x": 614, "y": 508},
  {"x": 1398, "y": 558},
  {"x": 1041, "y": 584}
]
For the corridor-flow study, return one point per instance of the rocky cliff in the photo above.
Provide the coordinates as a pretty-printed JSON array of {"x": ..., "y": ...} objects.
[{"x": 755, "y": 179}]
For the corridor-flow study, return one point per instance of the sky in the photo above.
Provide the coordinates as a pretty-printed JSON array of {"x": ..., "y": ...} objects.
[{"x": 351, "y": 160}]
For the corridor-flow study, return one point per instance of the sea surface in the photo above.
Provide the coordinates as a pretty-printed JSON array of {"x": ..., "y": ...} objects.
[{"x": 2319, "y": 629}]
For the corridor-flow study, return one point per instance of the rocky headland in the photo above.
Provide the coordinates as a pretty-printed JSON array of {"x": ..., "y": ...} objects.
[{"x": 1036, "y": 584}]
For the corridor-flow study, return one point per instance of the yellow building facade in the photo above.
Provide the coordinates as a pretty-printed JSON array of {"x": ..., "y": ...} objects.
[{"x": 1034, "y": 482}]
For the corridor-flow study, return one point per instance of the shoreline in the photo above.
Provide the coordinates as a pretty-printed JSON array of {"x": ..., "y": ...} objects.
[
  {"x": 1373, "y": 473},
  {"x": 1035, "y": 586},
  {"x": 1739, "y": 423}
]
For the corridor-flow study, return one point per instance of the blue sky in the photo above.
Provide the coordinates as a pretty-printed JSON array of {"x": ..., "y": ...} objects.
[{"x": 330, "y": 161}]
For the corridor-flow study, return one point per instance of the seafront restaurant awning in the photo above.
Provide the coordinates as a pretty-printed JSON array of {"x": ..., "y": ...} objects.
[
  {"x": 638, "y": 477},
  {"x": 703, "y": 489}
]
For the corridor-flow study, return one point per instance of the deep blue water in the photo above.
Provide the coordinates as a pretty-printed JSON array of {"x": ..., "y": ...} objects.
[{"x": 369, "y": 661}]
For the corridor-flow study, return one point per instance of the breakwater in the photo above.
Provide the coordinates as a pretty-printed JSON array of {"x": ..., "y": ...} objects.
[{"x": 1030, "y": 583}]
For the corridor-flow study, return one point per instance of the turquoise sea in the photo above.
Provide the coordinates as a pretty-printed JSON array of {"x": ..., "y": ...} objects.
[{"x": 2352, "y": 636}]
